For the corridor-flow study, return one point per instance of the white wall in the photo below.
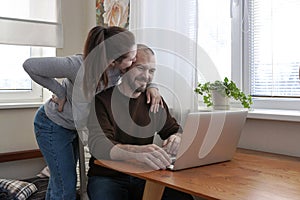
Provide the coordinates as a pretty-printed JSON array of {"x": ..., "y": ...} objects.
[
  {"x": 17, "y": 130},
  {"x": 77, "y": 17},
  {"x": 271, "y": 136},
  {"x": 17, "y": 124}
]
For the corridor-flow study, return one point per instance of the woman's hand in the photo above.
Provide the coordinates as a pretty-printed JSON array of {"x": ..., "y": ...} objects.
[
  {"x": 154, "y": 97},
  {"x": 59, "y": 102},
  {"x": 171, "y": 145}
]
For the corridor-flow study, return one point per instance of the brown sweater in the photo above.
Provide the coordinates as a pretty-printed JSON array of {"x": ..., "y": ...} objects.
[{"x": 125, "y": 120}]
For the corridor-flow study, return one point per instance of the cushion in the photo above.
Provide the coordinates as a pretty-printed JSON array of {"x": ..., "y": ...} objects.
[
  {"x": 21, "y": 190},
  {"x": 44, "y": 173},
  {"x": 4, "y": 194}
]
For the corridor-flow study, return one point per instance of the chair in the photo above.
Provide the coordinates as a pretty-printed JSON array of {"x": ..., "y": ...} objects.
[{"x": 82, "y": 171}]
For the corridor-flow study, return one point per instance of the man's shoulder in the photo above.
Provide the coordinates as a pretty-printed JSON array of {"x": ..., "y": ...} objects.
[{"x": 105, "y": 92}]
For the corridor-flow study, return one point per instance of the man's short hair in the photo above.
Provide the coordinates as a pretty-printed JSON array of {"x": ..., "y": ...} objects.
[{"x": 145, "y": 48}]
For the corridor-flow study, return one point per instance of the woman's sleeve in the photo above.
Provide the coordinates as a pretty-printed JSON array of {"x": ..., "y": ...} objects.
[
  {"x": 44, "y": 71},
  {"x": 152, "y": 85}
]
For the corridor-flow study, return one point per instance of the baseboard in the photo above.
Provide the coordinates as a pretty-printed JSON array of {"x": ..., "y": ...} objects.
[{"x": 20, "y": 155}]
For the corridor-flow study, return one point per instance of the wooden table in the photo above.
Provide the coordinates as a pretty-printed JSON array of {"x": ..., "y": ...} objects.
[{"x": 250, "y": 175}]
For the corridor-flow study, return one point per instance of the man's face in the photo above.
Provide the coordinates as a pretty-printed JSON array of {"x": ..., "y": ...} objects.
[{"x": 141, "y": 72}]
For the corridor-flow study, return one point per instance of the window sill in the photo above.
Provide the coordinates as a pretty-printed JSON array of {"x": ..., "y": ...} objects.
[
  {"x": 271, "y": 114},
  {"x": 20, "y": 105},
  {"x": 267, "y": 114}
]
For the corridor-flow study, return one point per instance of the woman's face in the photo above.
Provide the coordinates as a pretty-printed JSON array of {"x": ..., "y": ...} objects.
[{"x": 127, "y": 61}]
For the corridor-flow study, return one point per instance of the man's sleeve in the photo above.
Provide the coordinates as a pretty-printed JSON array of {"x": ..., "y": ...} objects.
[
  {"x": 170, "y": 126},
  {"x": 101, "y": 132}
]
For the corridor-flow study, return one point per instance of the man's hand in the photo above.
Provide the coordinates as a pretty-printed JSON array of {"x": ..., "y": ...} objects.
[
  {"x": 59, "y": 102},
  {"x": 151, "y": 154},
  {"x": 154, "y": 97},
  {"x": 171, "y": 145}
]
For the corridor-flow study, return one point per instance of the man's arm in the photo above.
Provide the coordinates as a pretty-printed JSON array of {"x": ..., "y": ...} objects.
[
  {"x": 171, "y": 145},
  {"x": 170, "y": 133},
  {"x": 170, "y": 125},
  {"x": 102, "y": 142},
  {"x": 98, "y": 141},
  {"x": 151, "y": 154}
]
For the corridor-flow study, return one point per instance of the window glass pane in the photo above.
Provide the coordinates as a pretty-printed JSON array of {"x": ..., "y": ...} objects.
[
  {"x": 274, "y": 42},
  {"x": 12, "y": 76},
  {"x": 214, "y": 33}
]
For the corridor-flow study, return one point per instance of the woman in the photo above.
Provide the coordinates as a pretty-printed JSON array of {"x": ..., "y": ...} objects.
[{"x": 54, "y": 121}]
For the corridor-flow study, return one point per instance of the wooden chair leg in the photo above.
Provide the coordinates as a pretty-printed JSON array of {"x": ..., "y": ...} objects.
[{"x": 82, "y": 172}]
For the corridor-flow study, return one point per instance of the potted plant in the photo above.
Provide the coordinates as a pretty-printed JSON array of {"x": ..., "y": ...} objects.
[{"x": 218, "y": 93}]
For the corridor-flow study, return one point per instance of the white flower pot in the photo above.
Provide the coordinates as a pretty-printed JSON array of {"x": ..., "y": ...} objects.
[{"x": 219, "y": 100}]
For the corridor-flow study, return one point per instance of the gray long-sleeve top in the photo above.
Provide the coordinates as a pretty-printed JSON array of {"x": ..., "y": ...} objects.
[{"x": 44, "y": 71}]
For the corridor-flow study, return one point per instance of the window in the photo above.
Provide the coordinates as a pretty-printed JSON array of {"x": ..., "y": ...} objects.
[
  {"x": 214, "y": 34},
  {"x": 31, "y": 29},
  {"x": 271, "y": 52},
  {"x": 15, "y": 84},
  {"x": 172, "y": 35}
]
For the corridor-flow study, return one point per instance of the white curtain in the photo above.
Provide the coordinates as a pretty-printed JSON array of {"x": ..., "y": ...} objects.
[
  {"x": 31, "y": 22},
  {"x": 169, "y": 27}
]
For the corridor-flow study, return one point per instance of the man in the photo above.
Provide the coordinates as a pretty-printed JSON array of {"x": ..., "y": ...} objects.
[{"x": 127, "y": 133}]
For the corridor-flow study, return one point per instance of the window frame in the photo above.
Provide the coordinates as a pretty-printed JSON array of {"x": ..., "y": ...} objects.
[
  {"x": 33, "y": 95},
  {"x": 46, "y": 32},
  {"x": 258, "y": 102}
]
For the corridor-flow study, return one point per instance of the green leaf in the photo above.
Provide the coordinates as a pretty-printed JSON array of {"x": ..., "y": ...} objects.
[{"x": 231, "y": 90}]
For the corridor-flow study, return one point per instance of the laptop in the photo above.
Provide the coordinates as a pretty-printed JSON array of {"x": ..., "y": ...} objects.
[{"x": 209, "y": 137}]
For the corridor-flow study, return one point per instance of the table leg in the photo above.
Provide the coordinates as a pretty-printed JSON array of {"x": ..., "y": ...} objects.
[{"x": 153, "y": 191}]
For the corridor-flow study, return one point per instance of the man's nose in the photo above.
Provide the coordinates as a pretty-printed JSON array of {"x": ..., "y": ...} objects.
[{"x": 146, "y": 74}]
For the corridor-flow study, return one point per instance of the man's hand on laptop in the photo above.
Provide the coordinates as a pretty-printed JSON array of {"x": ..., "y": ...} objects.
[
  {"x": 171, "y": 145},
  {"x": 154, "y": 156},
  {"x": 151, "y": 154}
]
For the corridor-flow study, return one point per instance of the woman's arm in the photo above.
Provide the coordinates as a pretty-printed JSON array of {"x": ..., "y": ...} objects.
[
  {"x": 154, "y": 97},
  {"x": 44, "y": 71}
]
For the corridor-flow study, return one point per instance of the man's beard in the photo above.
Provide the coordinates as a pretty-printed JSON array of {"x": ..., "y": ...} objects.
[{"x": 141, "y": 88}]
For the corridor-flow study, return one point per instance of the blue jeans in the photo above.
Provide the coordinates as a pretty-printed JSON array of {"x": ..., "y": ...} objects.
[
  {"x": 125, "y": 187},
  {"x": 59, "y": 147}
]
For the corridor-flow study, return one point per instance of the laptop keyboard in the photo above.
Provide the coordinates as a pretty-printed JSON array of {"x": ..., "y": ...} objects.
[{"x": 173, "y": 158}]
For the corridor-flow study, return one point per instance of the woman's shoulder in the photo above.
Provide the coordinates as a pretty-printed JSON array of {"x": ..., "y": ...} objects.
[{"x": 76, "y": 58}]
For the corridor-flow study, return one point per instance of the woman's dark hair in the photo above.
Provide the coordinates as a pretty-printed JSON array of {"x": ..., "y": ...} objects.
[{"x": 107, "y": 44}]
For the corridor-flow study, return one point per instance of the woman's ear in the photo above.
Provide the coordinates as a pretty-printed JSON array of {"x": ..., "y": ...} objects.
[{"x": 112, "y": 62}]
